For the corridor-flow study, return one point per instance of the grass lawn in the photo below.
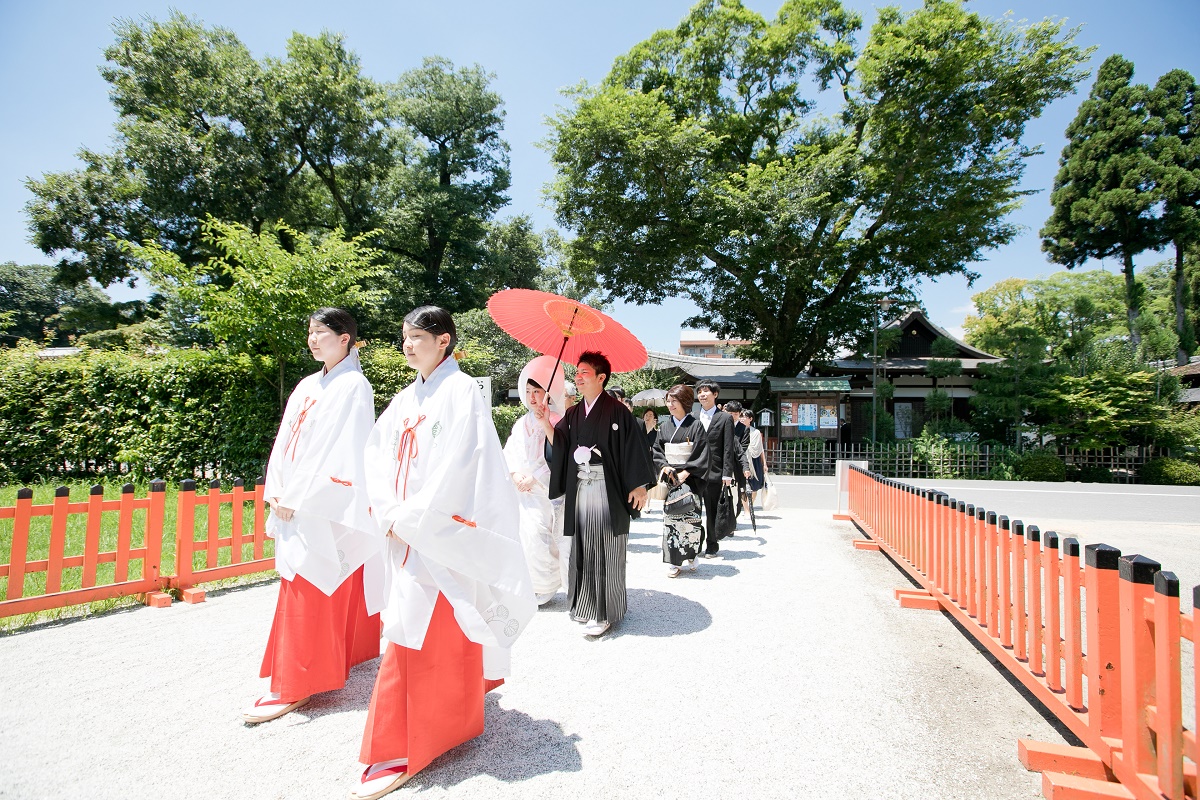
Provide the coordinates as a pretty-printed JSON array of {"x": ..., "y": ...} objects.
[{"x": 39, "y": 546}]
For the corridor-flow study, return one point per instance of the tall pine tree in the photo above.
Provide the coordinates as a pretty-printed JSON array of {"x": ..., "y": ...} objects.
[
  {"x": 1176, "y": 151},
  {"x": 1103, "y": 194}
]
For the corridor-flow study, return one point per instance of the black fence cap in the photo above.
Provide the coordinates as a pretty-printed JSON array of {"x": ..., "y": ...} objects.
[
  {"x": 991, "y": 518},
  {"x": 1139, "y": 569},
  {"x": 260, "y": 480},
  {"x": 214, "y": 484},
  {"x": 1051, "y": 540},
  {"x": 962, "y": 506},
  {"x": 127, "y": 489},
  {"x": 1018, "y": 527},
  {"x": 1101, "y": 556},
  {"x": 187, "y": 485},
  {"x": 158, "y": 486},
  {"x": 970, "y": 509},
  {"x": 1195, "y": 597},
  {"x": 1165, "y": 583},
  {"x": 1070, "y": 547},
  {"x": 24, "y": 493},
  {"x": 1033, "y": 533},
  {"x": 62, "y": 491},
  {"x": 97, "y": 489},
  {"x": 980, "y": 512},
  {"x": 239, "y": 482}
]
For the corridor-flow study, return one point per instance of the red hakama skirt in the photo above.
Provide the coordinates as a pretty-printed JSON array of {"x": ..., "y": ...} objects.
[
  {"x": 427, "y": 701},
  {"x": 315, "y": 639}
]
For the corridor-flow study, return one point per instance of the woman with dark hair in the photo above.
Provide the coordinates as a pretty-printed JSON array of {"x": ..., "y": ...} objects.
[
  {"x": 458, "y": 591},
  {"x": 681, "y": 456},
  {"x": 757, "y": 456},
  {"x": 320, "y": 520}
]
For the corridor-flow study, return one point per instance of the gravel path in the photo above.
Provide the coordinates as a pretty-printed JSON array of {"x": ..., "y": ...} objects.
[{"x": 783, "y": 669}]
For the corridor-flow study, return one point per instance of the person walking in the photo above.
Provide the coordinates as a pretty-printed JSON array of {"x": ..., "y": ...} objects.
[
  {"x": 602, "y": 466},
  {"x": 321, "y": 523},
  {"x": 526, "y": 454},
  {"x": 458, "y": 592},
  {"x": 681, "y": 457},
  {"x": 722, "y": 459},
  {"x": 757, "y": 455}
]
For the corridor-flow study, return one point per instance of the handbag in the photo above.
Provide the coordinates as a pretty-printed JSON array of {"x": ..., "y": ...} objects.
[
  {"x": 681, "y": 501},
  {"x": 726, "y": 516},
  {"x": 770, "y": 497},
  {"x": 658, "y": 491}
]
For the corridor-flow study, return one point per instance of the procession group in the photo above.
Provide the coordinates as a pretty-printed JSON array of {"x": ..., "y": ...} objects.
[{"x": 421, "y": 528}]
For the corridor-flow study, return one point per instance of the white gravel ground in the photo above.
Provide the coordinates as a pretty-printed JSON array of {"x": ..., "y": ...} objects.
[{"x": 783, "y": 669}]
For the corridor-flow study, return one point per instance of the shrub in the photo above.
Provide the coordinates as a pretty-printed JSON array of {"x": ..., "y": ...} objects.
[
  {"x": 1170, "y": 472},
  {"x": 505, "y": 417},
  {"x": 1092, "y": 474},
  {"x": 1042, "y": 467}
]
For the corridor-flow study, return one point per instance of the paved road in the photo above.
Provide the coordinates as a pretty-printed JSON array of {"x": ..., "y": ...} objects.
[{"x": 784, "y": 669}]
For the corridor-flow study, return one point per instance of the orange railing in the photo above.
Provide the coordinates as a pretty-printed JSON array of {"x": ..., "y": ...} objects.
[
  {"x": 1024, "y": 595},
  {"x": 136, "y": 543},
  {"x": 210, "y": 543}
]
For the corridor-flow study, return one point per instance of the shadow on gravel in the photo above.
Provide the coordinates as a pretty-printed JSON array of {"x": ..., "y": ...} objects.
[
  {"x": 739, "y": 555},
  {"x": 661, "y": 614},
  {"x": 514, "y": 747},
  {"x": 708, "y": 570},
  {"x": 643, "y": 548}
]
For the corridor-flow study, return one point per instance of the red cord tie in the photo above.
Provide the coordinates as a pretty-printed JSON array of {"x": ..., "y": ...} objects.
[
  {"x": 462, "y": 521},
  {"x": 294, "y": 439},
  {"x": 339, "y": 480},
  {"x": 406, "y": 453}
]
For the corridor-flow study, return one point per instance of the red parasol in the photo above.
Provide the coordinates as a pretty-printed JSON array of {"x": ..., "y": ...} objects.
[{"x": 552, "y": 324}]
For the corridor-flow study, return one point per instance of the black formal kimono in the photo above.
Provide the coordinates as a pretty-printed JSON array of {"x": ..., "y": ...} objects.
[
  {"x": 682, "y": 533},
  {"x": 599, "y": 521}
]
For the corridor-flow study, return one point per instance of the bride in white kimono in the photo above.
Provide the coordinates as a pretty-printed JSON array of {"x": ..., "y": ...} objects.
[
  {"x": 320, "y": 519},
  {"x": 457, "y": 587},
  {"x": 547, "y": 551}
]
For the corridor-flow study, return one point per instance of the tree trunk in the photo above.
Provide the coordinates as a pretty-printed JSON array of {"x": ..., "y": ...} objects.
[
  {"x": 1131, "y": 306},
  {"x": 1181, "y": 355}
]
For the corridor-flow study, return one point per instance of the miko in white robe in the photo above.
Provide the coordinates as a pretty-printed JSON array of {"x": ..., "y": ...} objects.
[
  {"x": 323, "y": 623},
  {"x": 547, "y": 551},
  {"x": 457, "y": 587}
]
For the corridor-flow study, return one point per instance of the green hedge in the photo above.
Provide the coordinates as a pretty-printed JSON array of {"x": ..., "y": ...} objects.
[
  {"x": 1170, "y": 472},
  {"x": 1042, "y": 467},
  {"x": 175, "y": 415}
]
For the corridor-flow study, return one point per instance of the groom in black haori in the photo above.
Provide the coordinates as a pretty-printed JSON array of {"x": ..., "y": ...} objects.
[{"x": 602, "y": 466}]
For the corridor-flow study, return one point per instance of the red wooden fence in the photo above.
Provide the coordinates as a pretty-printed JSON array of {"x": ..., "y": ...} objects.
[
  {"x": 1025, "y": 596},
  {"x": 150, "y": 578}
]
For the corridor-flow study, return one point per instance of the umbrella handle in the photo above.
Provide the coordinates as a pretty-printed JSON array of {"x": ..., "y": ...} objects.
[{"x": 561, "y": 350}]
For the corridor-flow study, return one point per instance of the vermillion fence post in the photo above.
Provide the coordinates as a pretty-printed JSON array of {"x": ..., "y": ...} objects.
[
  {"x": 1004, "y": 581},
  {"x": 1136, "y": 659},
  {"x": 979, "y": 534},
  {"x": 152, "y": 566},
  {"x": 214, "y": 523},
  {"x": 124, "y": 534},
  {"x": 1102, "y": 582},
  {"x": 1033, "y": 538},
  {"x": 1168, "y": 685},
  {"x": 260, "y": 518},
  {"x": 950, "y": 514},
  {"x": 971, "y": 556},
  {"x": 993, "y": 569},
  {"x": 91, "y": 539},
  {"x": 1019, "y": 554},
  {"x": 19, "y": 550},
  {"x": 235, "y": 535},
  {"x": 1072, "y": 624},
  {"x": 185, "y": 533},
  {"x": 58, "y": 539},
  {"x": 1054, "y": 648}
]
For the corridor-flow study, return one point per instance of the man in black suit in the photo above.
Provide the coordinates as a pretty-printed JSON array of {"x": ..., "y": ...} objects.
[{"x": 722, "y": 459}]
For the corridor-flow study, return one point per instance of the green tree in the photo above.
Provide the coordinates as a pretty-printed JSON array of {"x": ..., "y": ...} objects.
[
  {"x": 269, "y": 283},
  {"x": 1103, "y": 203},
  {"x": 34, "y": 306},
  {"x": 1106, "y": 409},
  {"x": 702, "y": 167},
  {"x": 206, "y": 130},
  {"x": 1176, "y": 151}
]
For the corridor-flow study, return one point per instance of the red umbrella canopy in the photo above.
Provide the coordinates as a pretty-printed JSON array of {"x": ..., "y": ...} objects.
[{"x": 550, "y": 324}]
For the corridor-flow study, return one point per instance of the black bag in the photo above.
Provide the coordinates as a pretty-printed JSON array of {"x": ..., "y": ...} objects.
[
  {"x": 681, "y": 501},
  {"x": 726, "y": 515}
]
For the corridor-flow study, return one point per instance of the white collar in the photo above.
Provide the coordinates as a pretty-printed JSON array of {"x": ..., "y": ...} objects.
[
  {"x": 587, "y": 407},
  {"x": 709, "y": 412},
  {"x": 425, "y": 386}
]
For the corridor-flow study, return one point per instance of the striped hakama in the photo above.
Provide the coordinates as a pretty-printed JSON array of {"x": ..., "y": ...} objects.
[{"x": 597, "y": 556}]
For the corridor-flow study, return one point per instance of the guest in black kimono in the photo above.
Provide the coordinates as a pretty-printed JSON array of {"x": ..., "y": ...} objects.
[
  {"x": 602, "y": 466},
  {"x": 681, "y": 452},
  {"x": 722, "y": 459}
]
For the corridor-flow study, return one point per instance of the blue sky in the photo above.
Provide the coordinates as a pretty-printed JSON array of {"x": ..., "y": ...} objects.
[{"x": 55, "y": 101}]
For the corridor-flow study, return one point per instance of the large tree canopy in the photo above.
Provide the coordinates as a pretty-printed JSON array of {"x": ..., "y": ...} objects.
[
  {"x": 704, "y": 165},
  {"x": 206, "y": 130}
]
